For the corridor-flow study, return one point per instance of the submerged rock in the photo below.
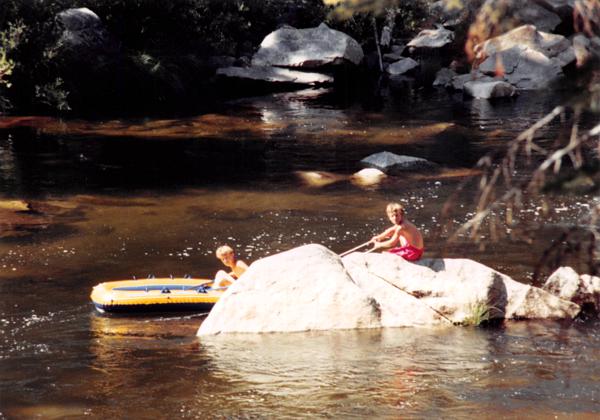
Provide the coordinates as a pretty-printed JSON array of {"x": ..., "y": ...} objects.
[
  {"x": 15, "y": 205},
  {"x": 319, "y": 178},
  {"x": 391, "y": 163},
  {"x": 368, "y": 177},
  {"x": 489, "y": 89},
  {"x": 444, "y": 77},
  {"x": 275, "y": 75},
  {"x": 583, "y": 290},
  {"x": 311, "y": 288},
  {"x": 308, "y": 48}
]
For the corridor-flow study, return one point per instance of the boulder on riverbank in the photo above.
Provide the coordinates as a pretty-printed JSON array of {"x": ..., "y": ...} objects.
[
  {"x": 286, "y": 54},
  {"x": 83, "y": 33},
  {"x": 525, "y": 57},
  {"x": 429, "y": 40},
  {"x": 311, "y": 288},
  {"x": 307, "y": 48}
]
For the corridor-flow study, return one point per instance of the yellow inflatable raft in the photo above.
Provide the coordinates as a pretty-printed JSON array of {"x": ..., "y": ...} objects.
[{"x": 155, "y": 294}]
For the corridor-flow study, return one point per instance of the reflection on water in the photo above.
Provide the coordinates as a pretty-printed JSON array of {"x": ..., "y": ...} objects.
[
  {"x": 412, "y": 372},
  {"x": 157, "y": 366},
  {"x": 261, "y": 138},
  {"x": 124, "y": 198}
]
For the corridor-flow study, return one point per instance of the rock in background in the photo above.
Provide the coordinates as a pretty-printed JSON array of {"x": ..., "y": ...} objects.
[{"x": 317, "y": 49}]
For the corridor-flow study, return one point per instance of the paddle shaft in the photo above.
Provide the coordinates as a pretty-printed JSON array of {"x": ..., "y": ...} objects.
[{"x": 355, "y": 248}]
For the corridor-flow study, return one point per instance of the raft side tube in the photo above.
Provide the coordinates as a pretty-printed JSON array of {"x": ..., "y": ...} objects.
[{"x": 153, "y": 295}]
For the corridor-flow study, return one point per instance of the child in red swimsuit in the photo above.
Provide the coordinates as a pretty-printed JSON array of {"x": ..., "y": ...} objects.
[{"x": 403, "y": 238}]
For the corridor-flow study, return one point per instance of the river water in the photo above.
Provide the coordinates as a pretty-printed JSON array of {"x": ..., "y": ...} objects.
[{"x": 123, "y": 198}]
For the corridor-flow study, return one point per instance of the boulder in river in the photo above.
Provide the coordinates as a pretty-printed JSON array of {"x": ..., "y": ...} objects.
[
  {"x": 299, "y": 290},
  {"x": 307, "y": 48},
  {"x": 402, "y": 66},
  {"x": 391, "y": 163},
  {"x": 583, "y": 290},
  {"x": 311, "y": 288},
  {"x": 452, "y": 287}
]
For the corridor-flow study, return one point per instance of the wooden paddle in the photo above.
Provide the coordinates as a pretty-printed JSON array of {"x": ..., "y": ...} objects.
[{"x": 355, "y": 248}]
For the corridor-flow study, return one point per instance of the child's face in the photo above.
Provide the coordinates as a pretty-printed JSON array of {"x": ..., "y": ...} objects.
[
  {"x": 227, "y": 259},
  {"x": 395, "y": 217}
]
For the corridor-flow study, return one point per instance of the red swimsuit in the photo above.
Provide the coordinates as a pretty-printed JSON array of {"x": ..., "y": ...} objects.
[{"x": 408, "y": 252}]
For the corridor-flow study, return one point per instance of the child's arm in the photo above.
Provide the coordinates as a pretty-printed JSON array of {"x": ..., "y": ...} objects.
[
  {"x": 386, "y": 233},
  {"x": 220, "y": 278},
  {"x": 240, "y": 268},
  {"x": 390, "y": 242}
]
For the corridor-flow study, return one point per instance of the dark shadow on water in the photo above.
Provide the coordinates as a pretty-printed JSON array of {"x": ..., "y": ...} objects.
[{"x": 52, "y": 232}]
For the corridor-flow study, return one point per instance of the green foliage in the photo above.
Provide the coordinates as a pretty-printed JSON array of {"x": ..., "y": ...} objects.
[
  {"x": 480, "y": 312},
  {"x": 9, "y": 40},
  {"x": 161, "y": 46},
  {"x": 355, "y": 18},
  {"x": 53, "y": 95}
]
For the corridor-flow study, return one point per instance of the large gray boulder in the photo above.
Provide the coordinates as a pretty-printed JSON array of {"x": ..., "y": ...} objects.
[
  {"x": 391, "y": 163},
  {"x": 311, "y": 288},
  {"x": 304, "y": 289},
  {"x": 530, "y": 59},
  {"x": 307, "y": 48},
  {"x": 583, "y": 290},
  {"x": 452, "y": 287},
  {"x": 275, "y": 75}
]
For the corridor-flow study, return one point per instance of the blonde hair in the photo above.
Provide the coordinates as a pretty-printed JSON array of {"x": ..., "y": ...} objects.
[
  {"x": 224, "y": 250},
  {"x": 395, "y": 208}
]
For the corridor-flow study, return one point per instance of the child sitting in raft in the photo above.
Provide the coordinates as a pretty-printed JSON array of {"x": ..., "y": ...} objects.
[
  {"x": 227, "y": 256},
  {"x": 403, "y": 238}
]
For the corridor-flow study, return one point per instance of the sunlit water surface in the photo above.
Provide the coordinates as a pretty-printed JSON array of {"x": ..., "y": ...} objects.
[{"x": 157, "y": 196}]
